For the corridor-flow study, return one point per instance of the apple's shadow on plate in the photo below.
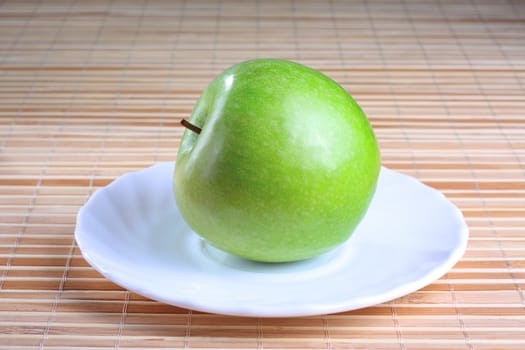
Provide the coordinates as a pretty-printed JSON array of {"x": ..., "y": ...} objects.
[{"x": 171, "y": 242}]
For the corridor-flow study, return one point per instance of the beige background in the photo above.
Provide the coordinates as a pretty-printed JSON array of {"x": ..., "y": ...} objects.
[{"x": 91, "y": 90}]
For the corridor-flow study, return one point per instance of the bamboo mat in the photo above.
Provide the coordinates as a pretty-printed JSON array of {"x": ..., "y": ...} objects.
[{"x": 91, "y": 90}]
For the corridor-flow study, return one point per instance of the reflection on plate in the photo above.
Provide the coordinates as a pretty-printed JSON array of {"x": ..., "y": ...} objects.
[{"x": 132, "y": 233}]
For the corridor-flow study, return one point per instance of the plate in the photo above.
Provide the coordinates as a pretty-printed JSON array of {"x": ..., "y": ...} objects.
[{"x": 133, "y": 234}]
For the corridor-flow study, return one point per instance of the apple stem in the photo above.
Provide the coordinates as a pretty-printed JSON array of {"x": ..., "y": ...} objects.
[{"x": 191, "y": 126}]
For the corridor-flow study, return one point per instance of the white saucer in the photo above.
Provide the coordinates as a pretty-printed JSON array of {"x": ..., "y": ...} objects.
[{"x": 132, "y": 233}]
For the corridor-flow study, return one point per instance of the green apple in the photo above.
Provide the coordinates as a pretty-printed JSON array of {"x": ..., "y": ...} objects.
[{"x": 281, "y": 163}]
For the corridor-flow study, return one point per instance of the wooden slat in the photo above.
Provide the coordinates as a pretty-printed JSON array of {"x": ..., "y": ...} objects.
[{"x": 92, "y": 90}]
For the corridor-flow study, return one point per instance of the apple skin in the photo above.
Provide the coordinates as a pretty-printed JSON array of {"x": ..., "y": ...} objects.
[{"x": 284, "y": 168}]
